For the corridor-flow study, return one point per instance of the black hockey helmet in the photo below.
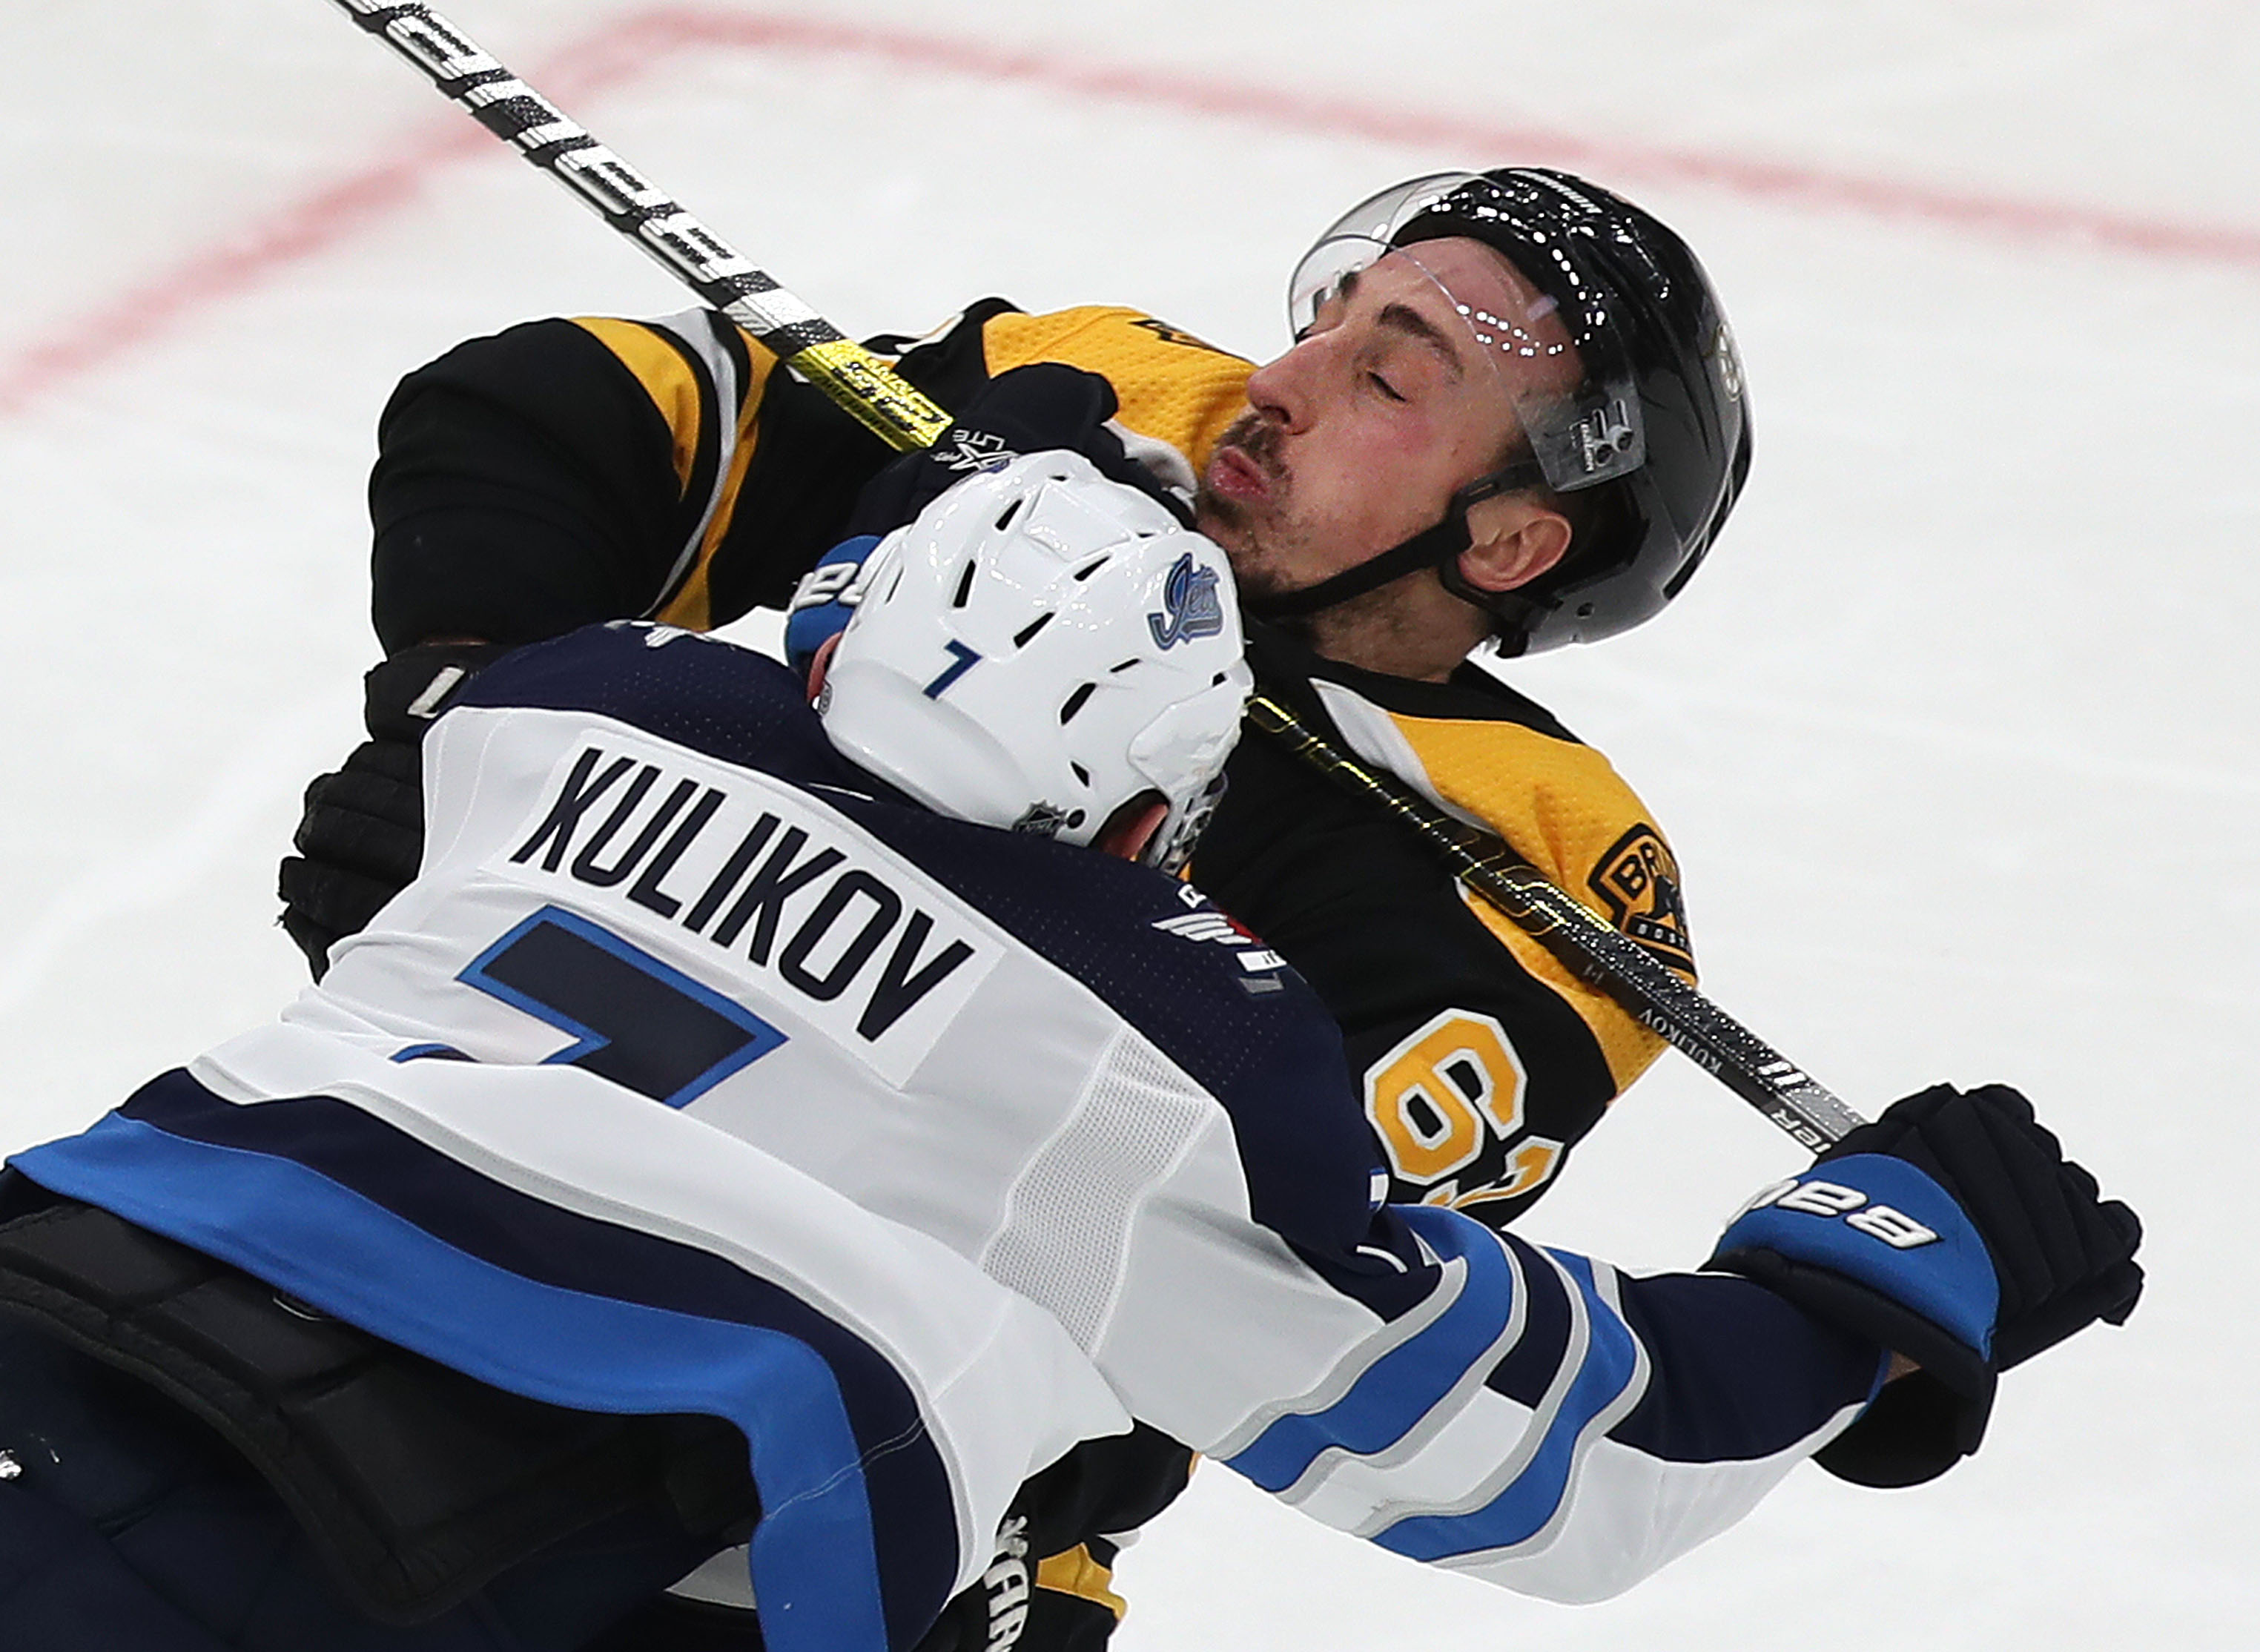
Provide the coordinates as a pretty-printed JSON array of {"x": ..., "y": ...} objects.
[{"x": 1656, "y": 436}]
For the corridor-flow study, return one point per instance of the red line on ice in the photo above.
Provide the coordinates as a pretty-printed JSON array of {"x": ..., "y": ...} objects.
[
  {"x": 629, "y": 49},
  {"x": 300, "y": 231}
]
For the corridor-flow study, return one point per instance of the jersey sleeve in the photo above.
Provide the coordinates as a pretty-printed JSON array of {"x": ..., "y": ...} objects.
[
  {"x": 1177, "y": 392},
  {"x": 1403, "y": 1372},
  {"x": 1527, "y": 1416},
  {"x": 566, "y": 472},
  {"x": 1482, "y": 1059},
  {"x": 1544, "y": 1422}
]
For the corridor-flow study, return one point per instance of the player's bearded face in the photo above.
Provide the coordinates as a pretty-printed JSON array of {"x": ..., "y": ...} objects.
[{"x": 1357, "y": 438}]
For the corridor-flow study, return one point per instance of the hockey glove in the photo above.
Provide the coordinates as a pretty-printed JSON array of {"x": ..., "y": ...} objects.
[
  {"x": 1035, "y": 409},
  {"x": 824, "y": 600},
  {"x": 1954, "y": 1231},
  {"x": 360, "y": 839}
]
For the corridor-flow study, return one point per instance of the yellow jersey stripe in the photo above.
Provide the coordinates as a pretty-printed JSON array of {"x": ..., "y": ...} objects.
[
  {"x": 1078, "y": 1573},
  {"x": 1564, "y": 807},
  {"x": 666, "y": 377},
  {"x": 692, "y": 606},
  {"x": 1628, "y": 1047}
]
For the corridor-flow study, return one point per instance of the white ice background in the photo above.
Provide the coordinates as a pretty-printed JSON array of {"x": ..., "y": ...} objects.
[{"x": 1958, "y": 735}]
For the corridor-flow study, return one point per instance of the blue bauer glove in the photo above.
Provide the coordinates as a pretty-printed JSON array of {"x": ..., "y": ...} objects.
[{"x": 1954, "y": 1231}]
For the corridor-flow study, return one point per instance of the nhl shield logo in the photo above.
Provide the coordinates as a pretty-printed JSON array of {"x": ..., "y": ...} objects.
[
  {"x": 1042, "y": 820},
  {"x": 1638, "y": 883},
  {"x": 1191, "y": 606}
]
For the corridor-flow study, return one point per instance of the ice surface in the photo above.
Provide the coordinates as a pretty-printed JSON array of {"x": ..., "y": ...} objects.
[{"x": 1958, "y": 735}]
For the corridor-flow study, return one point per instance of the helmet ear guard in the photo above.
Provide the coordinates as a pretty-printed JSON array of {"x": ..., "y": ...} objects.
[{"x": 1040, "y": 648}]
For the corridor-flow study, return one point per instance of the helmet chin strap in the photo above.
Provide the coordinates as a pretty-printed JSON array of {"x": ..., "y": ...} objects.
[{"x": 1434, "y": 547}]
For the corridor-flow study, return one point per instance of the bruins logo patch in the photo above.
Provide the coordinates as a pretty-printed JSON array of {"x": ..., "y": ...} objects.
[{"x": 1638, "y": 883}]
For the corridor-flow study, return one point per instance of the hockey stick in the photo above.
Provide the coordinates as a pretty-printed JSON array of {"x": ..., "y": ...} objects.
[
  {"x": 858, "y": 381},
  {"x": 863, "y": 385},
  {"x": 1586, "y": 943}
]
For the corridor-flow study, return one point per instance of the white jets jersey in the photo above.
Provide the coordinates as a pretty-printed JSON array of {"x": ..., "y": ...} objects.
[{"x": 699, "y": 1072}]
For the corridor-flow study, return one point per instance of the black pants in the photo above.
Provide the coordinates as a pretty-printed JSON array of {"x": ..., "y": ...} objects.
[{"x": 127, "y": 1526}]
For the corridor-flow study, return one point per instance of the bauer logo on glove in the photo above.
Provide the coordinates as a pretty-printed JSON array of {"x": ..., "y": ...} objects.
[
  {"x": 1852, "y": 1230},
  {"x": 1952, "y": 1231},
  {"x": 1895, "y": 1229}
]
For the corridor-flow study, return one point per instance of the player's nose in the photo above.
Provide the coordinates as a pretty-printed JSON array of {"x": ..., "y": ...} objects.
[{"x": 1284, "y": 390}]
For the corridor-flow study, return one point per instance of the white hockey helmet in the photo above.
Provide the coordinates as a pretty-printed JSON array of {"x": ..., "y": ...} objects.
[{"x": 1040, "y": 648}]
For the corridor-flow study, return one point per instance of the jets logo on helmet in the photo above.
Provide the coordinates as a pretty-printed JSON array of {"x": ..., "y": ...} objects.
[{"x": 1190, "y": 605}]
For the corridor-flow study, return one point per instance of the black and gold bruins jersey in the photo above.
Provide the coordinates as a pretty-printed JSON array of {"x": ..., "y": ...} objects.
[
  {"x": 1482, "y": 1059},
  {"x": 566, "y": 472}
]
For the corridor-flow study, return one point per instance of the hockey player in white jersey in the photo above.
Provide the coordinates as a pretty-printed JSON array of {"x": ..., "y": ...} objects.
[{"x": 808, "y": 1125}]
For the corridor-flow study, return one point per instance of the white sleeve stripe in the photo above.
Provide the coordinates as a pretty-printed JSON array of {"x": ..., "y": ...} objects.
[
  {"x": 1610, "y": 1378},
  {"x": 1539, "y": 1426},
  {"x": 1418, "y": 1439},
  {"x": 1451, "y": 1282},
  {"x": 1374, "y": 735},
  {"x": 1394, "y": 1393},
  {"x": 1633, "y": 1512}
]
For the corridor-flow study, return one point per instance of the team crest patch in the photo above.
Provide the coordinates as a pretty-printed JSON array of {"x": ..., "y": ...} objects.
[
  {"x": 1190, "y": 603},
  {"x": 1638, "y": 882}
]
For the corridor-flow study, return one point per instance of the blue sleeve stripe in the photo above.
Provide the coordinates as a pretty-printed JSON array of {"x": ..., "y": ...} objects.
[
  {"x": 1392, "y": 1396},
  {"x": 1613, "y": 1367},
  {"x": 815, "y": 1566}
]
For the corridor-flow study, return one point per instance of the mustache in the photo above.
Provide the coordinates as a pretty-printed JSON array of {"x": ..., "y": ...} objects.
[{"x": 1259, "y": 439}]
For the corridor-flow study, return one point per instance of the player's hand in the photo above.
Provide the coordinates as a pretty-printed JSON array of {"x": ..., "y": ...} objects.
[
  {"x": 1953, "y": 1230},
  {"x": 1036, "y": 408},
  {"x": 360, "y": 839}
]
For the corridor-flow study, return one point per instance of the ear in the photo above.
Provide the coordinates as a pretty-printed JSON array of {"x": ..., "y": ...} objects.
[
  {"x": 1132, "y": 826},
  {"x": 819, "y": 664},
  {"x": 1514, "y": 540}
]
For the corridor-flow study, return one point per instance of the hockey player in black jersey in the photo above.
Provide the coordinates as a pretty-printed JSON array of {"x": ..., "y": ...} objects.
[
  {"x": 1541, "y": 459},
  {"x": 774, "y": 1125},
  {"x": 1388, "y": 513},
  {"x": 1513, "y": 412}
]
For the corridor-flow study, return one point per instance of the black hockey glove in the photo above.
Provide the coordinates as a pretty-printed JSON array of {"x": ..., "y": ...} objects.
[
  {"x": 361, "y": 837},
  {"x": 1954, "y": 1231},
  {"x": 1035, "y": 409}
]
